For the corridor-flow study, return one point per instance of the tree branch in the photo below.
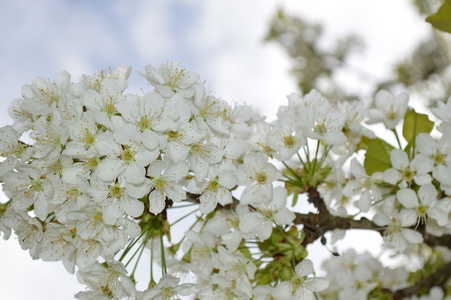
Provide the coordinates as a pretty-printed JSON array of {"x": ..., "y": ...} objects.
[
  {"x": 316, "y": 225},
  {"x": 438, "y": 278}
]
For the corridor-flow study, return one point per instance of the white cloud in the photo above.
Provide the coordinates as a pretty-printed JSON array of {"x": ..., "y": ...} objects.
[
  {"x": 236, "y": 64},
  {"x": 146, "y": 28}
]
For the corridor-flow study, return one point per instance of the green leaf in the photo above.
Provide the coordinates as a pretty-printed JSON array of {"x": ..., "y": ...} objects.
[
  {"x": 415, "y": 123},
  {"x": 377, "y": 157},
  {"x": 442, "y": 18}
]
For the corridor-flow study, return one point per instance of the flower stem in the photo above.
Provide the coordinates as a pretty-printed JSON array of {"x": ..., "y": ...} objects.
[
  {"x": 139, "y": 257},
  {"x": 302, "y": 161},
  {"x": 137, "y": 250},
  {"x": 185, "y": 216},
  {"x": 181, "y": 206},
  {"x": 151, "y": 262},
  {"x": 316, "y": 155},
  {"x": 163, "y": 259},
  {"x": 397, "y": 137}
]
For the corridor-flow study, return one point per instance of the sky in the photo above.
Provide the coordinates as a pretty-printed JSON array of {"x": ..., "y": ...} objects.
[{"x": 221, "y": 40}]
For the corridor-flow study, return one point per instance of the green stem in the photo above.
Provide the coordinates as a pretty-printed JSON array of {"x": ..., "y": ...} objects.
[
  {"x": 291, "y": 171},
  {"x": 302, "y": 161},
  {"x": 307, "y": 153},
  {"x": 151, "y": 262},
  {"x": 397, "y": 137},
  {"x": 324, "y": 156},
  {"x": 130, "y": 245},
  {"x": 382, "y": 199},
  {"x": 163, "y": 259},
  {"x": 187, "y": 205},
  {"x": 185, "y": 216},
  {"x": 316, "y": 158},
  {"x": 192, "y": 226},
  {"x": 131, "y": 258},
  {"x": 139, "y": 257}
]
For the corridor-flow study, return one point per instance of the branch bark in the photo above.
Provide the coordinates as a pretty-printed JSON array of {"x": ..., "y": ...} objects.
[
  {"x": 315, "y": 225},
  {"x": 438, "y": 278}
]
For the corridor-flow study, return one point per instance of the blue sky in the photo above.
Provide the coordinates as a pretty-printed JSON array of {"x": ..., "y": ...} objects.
[{"x": 221, "y": 40}]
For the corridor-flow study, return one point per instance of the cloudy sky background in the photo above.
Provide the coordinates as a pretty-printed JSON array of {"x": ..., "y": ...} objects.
[{"x": 222, "y": 40}]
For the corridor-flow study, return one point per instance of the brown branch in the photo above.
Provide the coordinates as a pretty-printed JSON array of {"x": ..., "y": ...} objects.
[
  {"x": 315, "y": 225},
  {"x": 438, "y": 278}
]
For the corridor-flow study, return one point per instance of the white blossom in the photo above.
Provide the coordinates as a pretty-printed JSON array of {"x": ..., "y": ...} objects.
[{"x": 389, "y": 109}]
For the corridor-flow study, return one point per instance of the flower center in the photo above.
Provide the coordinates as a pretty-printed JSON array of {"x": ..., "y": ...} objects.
[
  {"x": 159, "y": 183},
  {"x": 439, "y": 158},
  {"x": 89, "y": 138},
  {"x": 144, "y": 124},
  {"x": 92, "y": 163},
  {"x": 408, "y": 174},
  {"x": 261, "y": 177},
  {"x": 391, "y": 114},
  {"x": 289, "y": 141},
  {"x": 213, "y": 185},
  {"x": 320, "y": 128},
  {"x": 128, "y": 155},
  {"x": 173, "y": 135},
  {"x": 296, "y": 283},
  {"x": 422, "y": 214},
  {"x": 116, "y": 191}
]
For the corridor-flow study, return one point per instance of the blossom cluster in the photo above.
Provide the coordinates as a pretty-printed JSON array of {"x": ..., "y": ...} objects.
[{"x": 92, "y": 173}]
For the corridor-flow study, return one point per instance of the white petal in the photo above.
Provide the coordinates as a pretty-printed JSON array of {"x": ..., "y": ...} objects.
[
  {"x": 412, "y": 236},
  {"x": 135, "y": 173},
  {"x": 109, "y": 168},
  {"x": 134, "y": 207},
  {"x": 138, "y": 191},
  {"x": 381, "y": 220},
  {"x": 284, "y": 216},
  {"x": 408, "y": 217},
  {"x": 304, "y": 268},
  {"x": 424, "y": 143},
  {"x": 126, "y": 134},
  {"x": 427, "y": 194},
  {"x": 407, "y": 197},
  {"x": 41, "y": 207},
  {"x": 157, "y": 202},
  {"x": 365, "y": 201},
  {"x": 250, "y": 223},
  {"x": 235, "y": 148},
  {"x": 422, "y": 164},
  {"x": 317, "y": 284},
  {"x": 177, "y": 171},
  {"x": 399, "y": 159},
  {"x": 357, "y": 169},
  {"x": 7, "y": 165},
  {"x": 440, "y": 216},
  {"x": 156, "y": 168},
  {"x": 150, "y": 139},
  {"x": 112, "y": 212},
  {"x": 391, "y": 176},
  {"x": 335, "y": 138},
  {"x": 421, "y": 179}
]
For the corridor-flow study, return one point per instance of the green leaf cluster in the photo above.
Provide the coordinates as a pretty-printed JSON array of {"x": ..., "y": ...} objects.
[
  {"x": 285, "y": 248},
  {"x": 300, "y": 179}
]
